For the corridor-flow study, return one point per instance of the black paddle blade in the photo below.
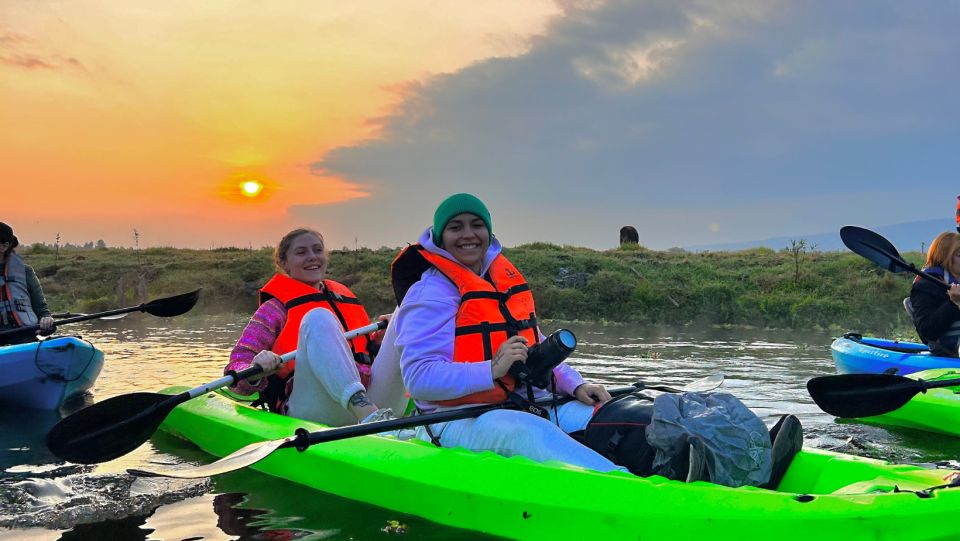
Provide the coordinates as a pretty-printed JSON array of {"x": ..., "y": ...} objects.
[
  {"x": 172, "y": 306},
  {"x": 872, "y": 246},
  {"x": 109, "y": 429},
  {"x": 862, "y": 395}
]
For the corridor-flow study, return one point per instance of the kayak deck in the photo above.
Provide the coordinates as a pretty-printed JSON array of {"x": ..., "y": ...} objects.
[
  {"x": 44, "y": 374},
  {"x": 830, "y": 495},
  {"x": 853, "y": 354},
  {"x": 936, "y": 410}
]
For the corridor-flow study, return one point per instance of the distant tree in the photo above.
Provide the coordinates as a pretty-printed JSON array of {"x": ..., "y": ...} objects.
[
  {"x": 799, "y": 247},
  {"x": 102, "y": 245},
  {"x": 88, "y": 245},
  {"x": 136, "y": 246}
]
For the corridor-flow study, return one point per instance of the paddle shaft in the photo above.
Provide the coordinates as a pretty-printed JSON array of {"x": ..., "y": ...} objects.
[
  {"x": 232, "y": 378},
  {"x": 938, "y": 384},
  {"x": 908, "y": 266},
  {"x": 84, "y": 317},
  {"x": 155, "y": 307},
  {"x": 869, "y": 245},
  {"x": 305, "y": 439},
  {"x": 253, "y": 453}
]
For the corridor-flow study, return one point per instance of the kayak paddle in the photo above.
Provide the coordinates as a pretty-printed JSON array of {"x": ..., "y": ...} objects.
[
  {"x": 866, "y": 395},
  {"x": 65, "y": 315},
  {"x": 877, "y": 249},
  {"x": 118, "y": 425},
  {"x": 167, "y": 307},
  {"x": 253, "y": 453}
]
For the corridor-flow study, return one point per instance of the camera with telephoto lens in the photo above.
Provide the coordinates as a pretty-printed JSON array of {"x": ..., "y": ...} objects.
[{"x": 542, "y": 357}]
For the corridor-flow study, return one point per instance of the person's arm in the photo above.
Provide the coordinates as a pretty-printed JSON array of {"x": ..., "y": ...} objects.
[
  {"x": 426, "y": 322},
  {"x": 37, "y": 300},
  {"x": 259, "y": 335},
  {"x": 933, "y": 311},
  {"x": 568, "y": 378},
  {"x": 39, "y": 303}
]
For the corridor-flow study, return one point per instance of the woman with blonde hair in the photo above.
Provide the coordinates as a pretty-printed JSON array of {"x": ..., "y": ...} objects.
[
  {"x": 337, "y": 383},
  {"x": 936, "y": 311}
]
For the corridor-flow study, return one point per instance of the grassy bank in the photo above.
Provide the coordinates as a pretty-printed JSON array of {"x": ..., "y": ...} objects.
[{"x": 761, "y": 287}]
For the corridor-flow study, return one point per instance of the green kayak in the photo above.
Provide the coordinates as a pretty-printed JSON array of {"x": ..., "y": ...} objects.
[
  {"x": 936, "y": 410},
  {"x": 824, "y": 495}
]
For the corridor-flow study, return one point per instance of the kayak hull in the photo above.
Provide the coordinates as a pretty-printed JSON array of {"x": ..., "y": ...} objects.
[
  {"x": 837, "y": 496},
  {"x": 43, "y": 375},
  {"x": 936, "y": 410},
  {"x": 855, "y": 355}
]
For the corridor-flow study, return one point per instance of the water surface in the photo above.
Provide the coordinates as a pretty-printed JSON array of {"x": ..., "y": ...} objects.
[{"x": 42, "y": 498}]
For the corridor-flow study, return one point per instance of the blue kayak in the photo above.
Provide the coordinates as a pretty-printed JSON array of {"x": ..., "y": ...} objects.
[
  {"x": 44, "y": 374},
  {"x": 855, "y": 354}
]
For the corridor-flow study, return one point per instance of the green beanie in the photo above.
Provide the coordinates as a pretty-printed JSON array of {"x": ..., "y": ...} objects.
[{"x": 458, "y": 204}]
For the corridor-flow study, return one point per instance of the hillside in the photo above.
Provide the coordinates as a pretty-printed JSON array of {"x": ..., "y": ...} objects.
[
  {"x": 906, "y": 236},
  {"x": 758, "y": 287}
]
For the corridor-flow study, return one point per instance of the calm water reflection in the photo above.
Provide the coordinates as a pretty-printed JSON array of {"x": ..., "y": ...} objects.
[{"x": 42, "y": 498}]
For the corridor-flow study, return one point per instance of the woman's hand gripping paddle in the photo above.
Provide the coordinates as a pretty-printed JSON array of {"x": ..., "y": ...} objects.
[{"x": 118, "y": 425}]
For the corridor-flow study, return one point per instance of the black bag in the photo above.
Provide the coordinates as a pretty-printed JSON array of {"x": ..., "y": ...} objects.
[{"x": 618, "y": 432}]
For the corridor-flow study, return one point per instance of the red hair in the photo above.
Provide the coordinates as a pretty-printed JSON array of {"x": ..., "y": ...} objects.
[{"x": 942, "y": 249}]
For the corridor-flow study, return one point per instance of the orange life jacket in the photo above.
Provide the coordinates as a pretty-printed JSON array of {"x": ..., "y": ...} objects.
[
  {"x": 15, "y": 307},
  {"x": 492, "y": 308},
  {"x": 299, "y": 298}
]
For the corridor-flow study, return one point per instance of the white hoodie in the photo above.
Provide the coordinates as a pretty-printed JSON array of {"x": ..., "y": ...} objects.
[{"x": 425, "y": 322}]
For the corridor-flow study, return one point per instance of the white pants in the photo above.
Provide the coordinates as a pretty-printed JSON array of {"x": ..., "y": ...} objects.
[
  {"x": 512, "y": 432},
  {"x": 326, "y": 375}
]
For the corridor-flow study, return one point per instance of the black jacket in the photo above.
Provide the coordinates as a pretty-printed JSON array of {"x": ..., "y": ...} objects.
[{"x": 933, "y": 315}]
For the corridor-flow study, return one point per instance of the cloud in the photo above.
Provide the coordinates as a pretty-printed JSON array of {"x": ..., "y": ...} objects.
[
  {"x": 671, "y": 115},
  {"x": 21, "y": 51}
]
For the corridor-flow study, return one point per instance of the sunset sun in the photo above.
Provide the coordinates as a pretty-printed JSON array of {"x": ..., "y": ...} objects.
[{"x": 251, "y": 188}]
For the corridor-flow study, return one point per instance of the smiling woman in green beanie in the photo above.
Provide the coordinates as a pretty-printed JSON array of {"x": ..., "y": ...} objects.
[
  {"x": 466, "y": 316},
  {"x": 21, "y": 298}
]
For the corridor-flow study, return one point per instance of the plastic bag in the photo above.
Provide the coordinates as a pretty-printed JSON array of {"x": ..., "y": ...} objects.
[{"x": 734, "y": 440}]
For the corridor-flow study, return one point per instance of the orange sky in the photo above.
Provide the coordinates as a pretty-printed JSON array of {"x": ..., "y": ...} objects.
[{"x": 147, "y": 115}]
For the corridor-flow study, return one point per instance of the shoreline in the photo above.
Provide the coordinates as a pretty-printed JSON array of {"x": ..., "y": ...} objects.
[{"x": 757, "y": 288}]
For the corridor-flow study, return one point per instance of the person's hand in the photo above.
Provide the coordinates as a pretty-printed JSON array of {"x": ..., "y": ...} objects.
[
  {"x": 591, "y": 394},
  {"x": 377, "y": 336},
  {"x": 47, "y": 325},
  {"x": 954, "y": 294},
  {"x": 268, "y": 360},
  {"x": 509, "y": 352}
]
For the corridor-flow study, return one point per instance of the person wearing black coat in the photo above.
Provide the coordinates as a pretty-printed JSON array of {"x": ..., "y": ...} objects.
[{"x": 936, "y": 309}]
